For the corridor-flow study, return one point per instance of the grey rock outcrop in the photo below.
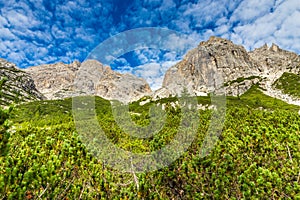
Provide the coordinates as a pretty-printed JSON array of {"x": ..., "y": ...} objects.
[
  {"x": 16, "y": 85},
  {"x": 60, "y": 80},
  {"x": 54, "y": 81},
  {"x": 274, "y": 59},
  {"x": 96, "y": 79},
  {"x": 206, "y": 68},
  {"x": 218, "y": 65}
]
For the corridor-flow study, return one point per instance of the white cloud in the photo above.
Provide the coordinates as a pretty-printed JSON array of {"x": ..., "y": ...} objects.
[
  {"x": 280, "y": 26},
  {"x": 56, "y": 32},
  {"x": 251, "y": 10},
  {"x": 167, "y": 5},
  {"x": 206, "y": 11},
  {"x": 21, "y": 18},
  {"x": 5, "y": 34},
  {"x": 170, "y": 56},
  {"x": 287, "y": 34},
  {"x": 151, "y": 72},
  {"x": 147, "y": 55},
  {"x": 3, "y": 21},
  {"x": 16, "y": 56},
  {"x": 180, "y": 42},
  {"x": 122, "y": 61}
]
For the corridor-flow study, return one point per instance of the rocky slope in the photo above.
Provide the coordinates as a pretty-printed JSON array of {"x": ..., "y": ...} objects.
[
  {"x": 60, "y": 80},
  {"x": 54, "y": 80},
  {"x": 219, "y": 64},
  {"x": 16, "y": 85},
  {"x": 275, "y": 62},
  {"x": 210, "y": 65}
]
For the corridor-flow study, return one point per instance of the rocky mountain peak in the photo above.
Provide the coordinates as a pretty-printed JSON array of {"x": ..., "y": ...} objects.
[
  {"x": 61, "y": 80},
  {"x": 275, "y": 59},
  {"x": 212, "y": 63},
  {"x": 53, "y": 79},
  {"x": 219, "y": 62},
  {"x": 274, "y": 48},
  {"x": 213, "y": 40},
  {"x": 16, "y": 85}
]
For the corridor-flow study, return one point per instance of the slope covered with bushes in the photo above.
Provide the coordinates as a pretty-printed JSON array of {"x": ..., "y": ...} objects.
[{"x": 257, "y": 155}]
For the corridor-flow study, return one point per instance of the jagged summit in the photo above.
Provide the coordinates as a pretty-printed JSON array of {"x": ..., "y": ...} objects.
[
  {"x": 216, "y": 40},
  {"x": 274, "y": 47},
  {"x": 276, "y": 59}
]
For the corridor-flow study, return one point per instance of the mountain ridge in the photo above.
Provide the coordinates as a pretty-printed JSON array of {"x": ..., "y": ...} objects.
[
  {"x": 239, "y": 69},
  {"x": 90, "y": 77},
  {"x": 215, "y": 65}
]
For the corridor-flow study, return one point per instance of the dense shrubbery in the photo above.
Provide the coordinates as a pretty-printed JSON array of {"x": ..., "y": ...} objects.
[
  {"x": 257, "y": 156},
  {"x": 289, "y": 84},
  {"x": 4, "y": 134}
]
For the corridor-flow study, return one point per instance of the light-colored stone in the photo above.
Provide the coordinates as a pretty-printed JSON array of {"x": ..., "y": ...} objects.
[
  {"x": 57, "y": 81},
  {"x": 54, "y": 81},
  {"x": 144, "y": 102},
  {"x": 274, "y": 61},
  {"x": 206, "y": 68},
  {"x": 220, "y": 66}
]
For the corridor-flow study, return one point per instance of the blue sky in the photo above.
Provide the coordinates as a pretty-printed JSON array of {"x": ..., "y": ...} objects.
[{"x": 34, "y": 32}]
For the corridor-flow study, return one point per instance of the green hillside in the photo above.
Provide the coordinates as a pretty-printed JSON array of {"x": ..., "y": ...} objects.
[
  {"x": 289, "y": 83},
  {"x": 257, "y": 155}
]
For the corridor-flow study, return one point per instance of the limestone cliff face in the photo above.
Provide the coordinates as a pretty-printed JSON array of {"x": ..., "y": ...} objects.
[
  {"x": 16, "y": 85},
  {"x": 60, "y": 80},
  {"x": 54, "y": 81},
  {"x": 209, "y": 66},
  {"x": 274, "y": 59},
  {"x": 219, "y": 63}
]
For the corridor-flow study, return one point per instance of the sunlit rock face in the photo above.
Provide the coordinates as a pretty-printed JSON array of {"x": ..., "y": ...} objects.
[
  {"x": 220, "y": 65},
  {"x": 206, "y": 68},
  {"x": 57, "y": 81}
]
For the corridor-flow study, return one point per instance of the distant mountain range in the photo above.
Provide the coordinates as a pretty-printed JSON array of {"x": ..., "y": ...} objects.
[{"x": 216, "y": 65}]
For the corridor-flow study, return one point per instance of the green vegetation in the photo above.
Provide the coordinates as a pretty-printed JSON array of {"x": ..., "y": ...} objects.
[
  {"x": 289, "y": 83},
  {"x": 4, "y": 134},
  {"x": 257, "y": 156},
  {"x": 255, "y": 98}
]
